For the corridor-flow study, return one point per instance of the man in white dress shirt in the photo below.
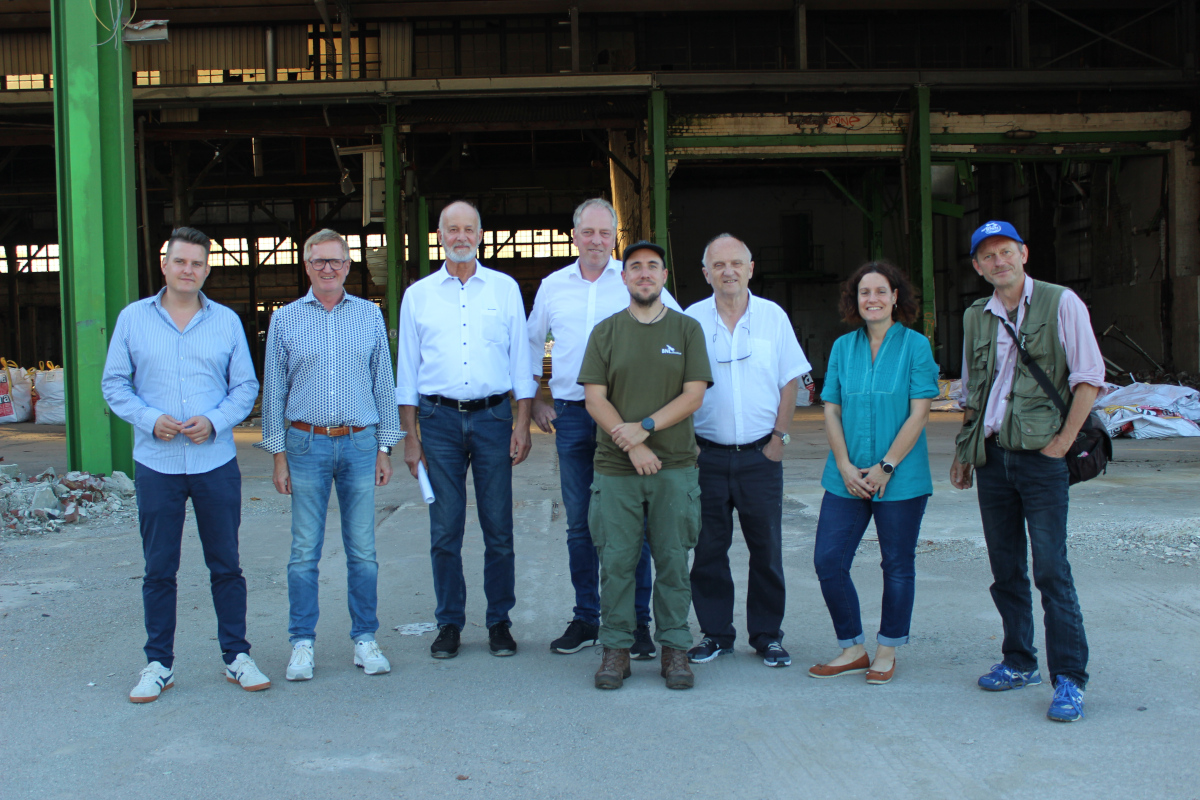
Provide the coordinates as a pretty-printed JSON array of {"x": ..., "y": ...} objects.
[
  {"x": 463, "y": 348},
  {"x": 741, "y": 430},
  {"x": 569, "y": 303}
]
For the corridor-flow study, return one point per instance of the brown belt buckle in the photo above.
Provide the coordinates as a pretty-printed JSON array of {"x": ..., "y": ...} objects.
[{"x": 340, "y": 430}]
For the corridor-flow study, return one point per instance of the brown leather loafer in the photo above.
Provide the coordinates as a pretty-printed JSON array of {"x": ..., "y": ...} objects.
[
  {"x": 853, "y": 668},
  {"x": 877, "y": 678},
  {"x": 614, "y": 668},
  {"x": 676, "y": 670}
]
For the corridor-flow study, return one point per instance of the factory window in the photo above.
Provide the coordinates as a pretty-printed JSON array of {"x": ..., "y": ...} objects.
[
  {"x": 147, "y": 78},
  {"x": 31, "y": 258},
  {"x": 13, "y": 82}
]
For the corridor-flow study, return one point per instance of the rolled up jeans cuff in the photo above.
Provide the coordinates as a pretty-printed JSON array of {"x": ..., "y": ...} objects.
[
  {"x": 844, "y": 643},
  {"x": 888, "y": 641}
]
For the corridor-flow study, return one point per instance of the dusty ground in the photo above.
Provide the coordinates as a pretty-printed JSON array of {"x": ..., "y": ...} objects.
[{"x": 533, "y": 726}]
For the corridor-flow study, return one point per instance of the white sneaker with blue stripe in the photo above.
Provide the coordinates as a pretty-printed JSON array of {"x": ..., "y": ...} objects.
[
  {"x": 245, "y": 673},
  {"x": 154, "y": 680}
]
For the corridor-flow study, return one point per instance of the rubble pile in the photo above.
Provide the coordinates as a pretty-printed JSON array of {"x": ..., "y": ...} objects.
[{"x": 46, "y": 502}]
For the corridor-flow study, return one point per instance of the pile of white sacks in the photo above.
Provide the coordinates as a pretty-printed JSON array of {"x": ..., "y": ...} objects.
[
  {"x": 1139, "y": 410},
  {"x": 46, "y": 502}
]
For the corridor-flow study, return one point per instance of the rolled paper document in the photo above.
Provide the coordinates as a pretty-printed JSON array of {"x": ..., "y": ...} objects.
[{"x": 423, "y": 479}]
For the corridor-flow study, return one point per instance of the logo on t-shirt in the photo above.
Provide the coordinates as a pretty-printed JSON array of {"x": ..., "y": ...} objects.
[{"x": 670, "y": 351}]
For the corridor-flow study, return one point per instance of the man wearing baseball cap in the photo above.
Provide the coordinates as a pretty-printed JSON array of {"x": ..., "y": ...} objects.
[
  {"x": 1015, "y": 439},
  {"x": 644, "y": 374}
]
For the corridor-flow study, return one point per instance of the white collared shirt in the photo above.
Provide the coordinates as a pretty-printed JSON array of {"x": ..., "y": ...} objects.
[
  {"x": 465, "y": 341},
  {"x": 750, "y": 367},
  {"x": 570, "y": 305}
]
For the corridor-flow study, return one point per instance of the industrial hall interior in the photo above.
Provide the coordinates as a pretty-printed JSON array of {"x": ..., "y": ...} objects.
[{"x": 823, "y": 133}]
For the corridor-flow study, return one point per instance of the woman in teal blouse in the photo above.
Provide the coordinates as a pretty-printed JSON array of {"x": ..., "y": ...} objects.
[{"x": 878, "y": 387}]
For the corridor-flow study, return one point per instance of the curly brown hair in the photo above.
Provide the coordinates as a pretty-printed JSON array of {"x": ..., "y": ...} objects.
[{"x": 905, "y": 310}]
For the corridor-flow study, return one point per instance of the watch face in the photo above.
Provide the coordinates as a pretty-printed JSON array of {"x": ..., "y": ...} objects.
[{"x": 887, "y": 468}]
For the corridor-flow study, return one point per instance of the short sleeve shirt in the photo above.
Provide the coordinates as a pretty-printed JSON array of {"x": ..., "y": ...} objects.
[
  {"x": 644, "y": 367},
  {"x": 874, "y": 397}
]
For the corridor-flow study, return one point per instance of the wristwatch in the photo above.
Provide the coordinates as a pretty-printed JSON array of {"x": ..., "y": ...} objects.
[
  {"x": 648, "y": 424},
  {"x": 385, "y": 449},
  {"x": 887, "y": 468},
  {"x": 783, "y": 437}
]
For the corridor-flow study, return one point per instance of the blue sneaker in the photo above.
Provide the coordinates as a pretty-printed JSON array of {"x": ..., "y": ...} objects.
[
  {"x": 1067, "y": 705},
  {"x": 1002, "y": 677}
]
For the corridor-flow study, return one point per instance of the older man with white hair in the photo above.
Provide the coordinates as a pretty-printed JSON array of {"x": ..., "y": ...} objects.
[
  {"x": 462, "y": 351},
  {"x": 741, "y": 430}
]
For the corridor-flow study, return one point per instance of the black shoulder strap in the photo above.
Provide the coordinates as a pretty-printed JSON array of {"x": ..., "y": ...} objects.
[{"x": 1038, "y": 374}]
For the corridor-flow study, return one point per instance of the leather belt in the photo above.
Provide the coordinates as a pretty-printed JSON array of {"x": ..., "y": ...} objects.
[
  {"x": 466, "y": 405},
  {"x": 576, "y": 403},
  {"x": 339, "y": 430},
  {"x": 758, "y": 445}
]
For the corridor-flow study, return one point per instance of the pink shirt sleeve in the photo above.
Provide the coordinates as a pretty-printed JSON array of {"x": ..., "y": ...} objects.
[{"x": 1079, "y": 342}]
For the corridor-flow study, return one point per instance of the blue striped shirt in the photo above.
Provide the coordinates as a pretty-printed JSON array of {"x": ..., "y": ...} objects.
[
  {"x": 328, "y": 368},
  {"x": 153, "y": 368}
]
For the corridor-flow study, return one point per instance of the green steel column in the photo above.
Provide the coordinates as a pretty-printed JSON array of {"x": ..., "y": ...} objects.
[
  {"x": 657, "y": 120},
  {"x": 422, "y": 233},
  {"x": 874, "y": 186},
  {"x": 922, "y": 207},
  {"x": 391, "y": 225},
  {"x": 93, "y": 131}
]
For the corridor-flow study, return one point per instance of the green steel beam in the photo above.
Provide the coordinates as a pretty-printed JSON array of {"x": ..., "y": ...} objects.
[
  {"x": 849, "y": 195},
  {"x": 874, "y": 188},
  {"x": 921, "y": 181},
  {"x": 863, "y": 139},
  {"x": 422, "y": 233},
  {"x": 93, "y": 131},
  {"x": 948, "y": 209},
  {"x": 393, "y": 208},
  {"x": 943, "y": 158},
  {"x": 786, "y": 140},
  {"x": 658, "y": 151}
]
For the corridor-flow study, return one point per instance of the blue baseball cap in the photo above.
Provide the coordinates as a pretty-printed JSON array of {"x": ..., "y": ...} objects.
[{"x": 993, "y": 227}]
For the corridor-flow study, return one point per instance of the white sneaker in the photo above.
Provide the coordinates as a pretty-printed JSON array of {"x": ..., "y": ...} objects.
[
  {"x": 300, "y": 668},
  {"x": 244, "y": 672},
  {"x": 155, "y": 679},
  {"x": 368, "y": 656}
]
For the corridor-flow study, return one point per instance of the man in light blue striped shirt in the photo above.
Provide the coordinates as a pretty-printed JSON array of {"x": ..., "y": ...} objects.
[
  {"x": 179, "y": 371},
  {"x": 330, "y": 419}
]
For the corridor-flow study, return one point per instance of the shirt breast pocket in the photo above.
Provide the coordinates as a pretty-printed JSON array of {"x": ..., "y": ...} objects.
[
  {"x": 495, "y": 326},
  {"x": 761, "y": 364}
]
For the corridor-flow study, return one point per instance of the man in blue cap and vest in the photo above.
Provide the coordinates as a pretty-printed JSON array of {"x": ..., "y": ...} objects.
[{"x": 1015, "y": 439}]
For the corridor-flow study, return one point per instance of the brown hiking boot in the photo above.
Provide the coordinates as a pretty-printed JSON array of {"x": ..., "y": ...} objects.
[
  {"x": 614, "y": 668},
  {"x": 676, "y": 670}
]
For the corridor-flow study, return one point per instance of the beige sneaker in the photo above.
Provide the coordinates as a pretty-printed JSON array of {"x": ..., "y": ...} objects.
[
  {"x": 154, "y": 680},
  {"x": 244, "y": 672}
]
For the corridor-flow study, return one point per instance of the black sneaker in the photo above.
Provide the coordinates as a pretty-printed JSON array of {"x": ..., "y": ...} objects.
[
  {"x": 446, "y": 643},
  {"x": 643, "y": 645},
  {"x": 706, "y": 651},
  {"x": 775, "y": 656},
  {"x": 579, "y": 635},
  {"x": 500, "y": 640}
]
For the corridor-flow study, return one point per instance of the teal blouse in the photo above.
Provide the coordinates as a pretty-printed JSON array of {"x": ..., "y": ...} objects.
[{"x": 874, "y": 399}]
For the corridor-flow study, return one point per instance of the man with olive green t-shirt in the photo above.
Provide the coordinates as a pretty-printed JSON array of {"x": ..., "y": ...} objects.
[{"x": 644, "y": 374}]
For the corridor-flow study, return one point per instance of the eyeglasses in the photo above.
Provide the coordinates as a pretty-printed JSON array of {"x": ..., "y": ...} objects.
[
  {"x": 321, "y": 264},
  {"x": 723, "y": 348}
]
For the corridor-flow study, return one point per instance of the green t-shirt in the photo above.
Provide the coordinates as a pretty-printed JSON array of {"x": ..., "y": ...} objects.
[{"x": 644, "y": 367}]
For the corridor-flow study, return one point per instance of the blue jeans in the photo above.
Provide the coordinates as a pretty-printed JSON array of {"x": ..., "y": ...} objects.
[
  {"x": 347, "y": 462},
  {"x": 1019, "y": 490},
  {"x": 840, "y": 528},
  {"x": 575, "y": 438},
  {"x": 454, "y": 441},
  {"x": 217, "y": 500}
]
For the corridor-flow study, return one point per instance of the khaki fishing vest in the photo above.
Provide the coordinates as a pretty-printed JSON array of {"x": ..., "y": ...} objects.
[{"x": 1032, "y": 418}]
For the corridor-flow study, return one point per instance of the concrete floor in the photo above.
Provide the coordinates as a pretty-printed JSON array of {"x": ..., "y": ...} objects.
[{"x": 532, "y": 726}]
